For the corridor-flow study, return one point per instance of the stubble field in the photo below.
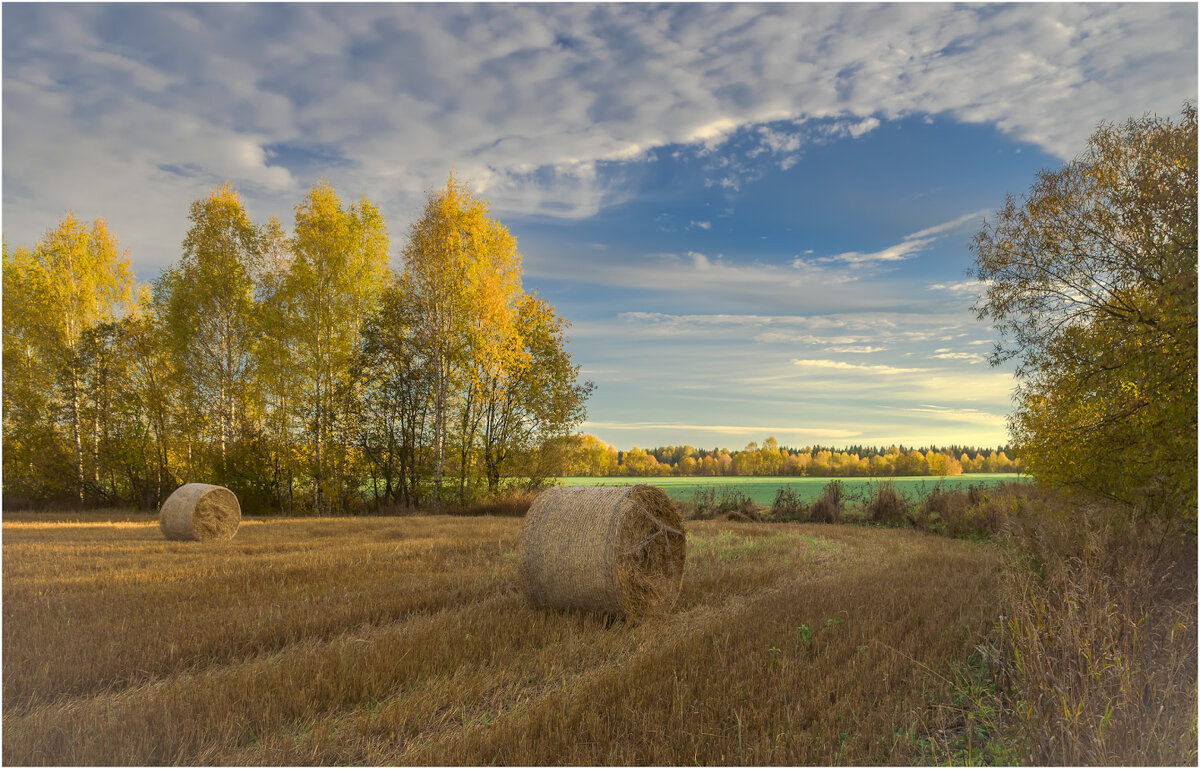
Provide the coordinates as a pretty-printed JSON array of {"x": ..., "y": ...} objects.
[{"x": 404, "y": 641}]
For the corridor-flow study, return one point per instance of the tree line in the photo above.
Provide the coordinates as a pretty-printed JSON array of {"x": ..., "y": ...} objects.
[
  {"x": 297, "y": 369},
  {"x": 590, "y": 456}
]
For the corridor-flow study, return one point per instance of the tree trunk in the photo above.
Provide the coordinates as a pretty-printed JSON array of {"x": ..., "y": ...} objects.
[
  {"x": 493, "y": 473},
  {"x": 319, "y": 468},
  {"x": 75, "y": 430},
  {"x": 96, "y": 444},
  {"x": 439, "y": 434}
]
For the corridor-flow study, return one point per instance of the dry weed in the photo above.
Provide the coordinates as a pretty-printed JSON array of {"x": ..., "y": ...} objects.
[{"x": 1099, "y": 635}]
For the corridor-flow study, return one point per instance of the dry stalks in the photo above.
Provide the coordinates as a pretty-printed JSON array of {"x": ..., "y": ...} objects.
[
  {"x": 1099, "y": 636},
  {"x": 404, "y": 641}
]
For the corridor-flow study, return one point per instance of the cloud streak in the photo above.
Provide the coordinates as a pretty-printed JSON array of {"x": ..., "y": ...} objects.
[
  {"x": 909, "y": 246},
  {"x": 857, "y": 368}
]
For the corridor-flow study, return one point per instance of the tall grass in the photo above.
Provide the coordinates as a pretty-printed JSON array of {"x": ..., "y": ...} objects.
[
  {"x": 1093, "y": 661},
  {"x": 1098, "y": 637}
]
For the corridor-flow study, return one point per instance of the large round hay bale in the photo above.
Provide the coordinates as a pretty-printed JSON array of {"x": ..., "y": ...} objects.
[
  {"x": 613, "y": 550},
  {"x": 200, "y": 511}
]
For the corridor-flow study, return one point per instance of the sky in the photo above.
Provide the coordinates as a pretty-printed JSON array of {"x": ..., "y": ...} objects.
[{"x": 756, "y": 217}]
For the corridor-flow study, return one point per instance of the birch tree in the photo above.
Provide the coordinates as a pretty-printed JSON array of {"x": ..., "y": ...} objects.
[
  {"x": 535, "y": 401},
  {"x": 82, "y": 280},
  {"x": 463, "y": 274},
  {"x": 398, "y": 398},
  {"x": 34, "y": 467},
  {"x": 208, "y": 313},
  {"x": 275, "y": 363},
  {"x": 338, "y": 267}
]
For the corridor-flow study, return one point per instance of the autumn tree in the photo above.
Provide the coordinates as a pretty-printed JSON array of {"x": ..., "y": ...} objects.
[
  {"x": 497, "y": 359},
  {"x": 35, "y": 468},
  {"x": 462, "y": 274},
  {"x": 75, "y": 279},
  {"x": 278, "y": 375},
  {"x": 151, "y": 380},
  {"x": 637, "y": 462},
  {"x": 207, "y": 308},
  {"x": 535, "y": 401},
  {"x": 1091, "y": 282},
  {"x": 591, "y": 456},
  {"x": 338, "y": 266},
  {"x": 287, "y": 367},
  {"x": 398, "y": 395}
]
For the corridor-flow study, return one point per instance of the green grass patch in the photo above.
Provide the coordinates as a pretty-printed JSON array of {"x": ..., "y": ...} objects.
[{"x": 763, "y": 489}]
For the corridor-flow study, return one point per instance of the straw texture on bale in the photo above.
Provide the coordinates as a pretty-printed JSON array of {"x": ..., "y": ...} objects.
[
  {"x": 200, "y": 511},
  {"x": 616, "y": 550}
]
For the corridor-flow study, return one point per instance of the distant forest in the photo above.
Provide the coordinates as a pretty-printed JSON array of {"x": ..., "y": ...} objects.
[{"x": 589, "y": 456}]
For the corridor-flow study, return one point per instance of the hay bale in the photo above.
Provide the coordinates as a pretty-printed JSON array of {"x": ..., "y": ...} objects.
[
  {"x": 615, "y": 550},
  {"x": 200, "y": 511}
]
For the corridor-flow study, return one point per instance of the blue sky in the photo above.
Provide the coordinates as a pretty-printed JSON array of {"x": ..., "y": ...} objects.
[{"x": 756, "y": 217}]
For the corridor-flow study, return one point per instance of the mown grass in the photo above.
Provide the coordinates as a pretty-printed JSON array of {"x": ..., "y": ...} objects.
[{"x": 404, "y": 641}]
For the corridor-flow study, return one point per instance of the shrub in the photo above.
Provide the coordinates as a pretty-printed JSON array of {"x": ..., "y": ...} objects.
[
  {"x": 727, "y": 501},
  {"x": 704, "y": 503},
  {"x": 977, "y": 512},
  {"x": 886, "y": 505},
  {"x": 788, "y": 506},
  {"x": 829, "y": 506},
  {"x": 942, "y": 511}
]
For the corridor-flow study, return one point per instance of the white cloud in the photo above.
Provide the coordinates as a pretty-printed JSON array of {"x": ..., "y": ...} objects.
[
  {"x": 911, "y": 244},
  {"x": 854, "y": 129},
  {"x": 527, "y": 99},
  {"x": 858, "y": 368},
  {"x": 778, "y": 141},
  {"x": 895, "y": 253},
  {"x": 866, "y": 331},
  {"x": 963, "y": 288},
  {"x": 709, "y": 133},
  {"x": 969, "y": 357},
  {"x": 964, "y": 415},
  {"x": 860, "y": 349},
  {"x": 941, "y": 229},
  {"x": 696, "y": 275}
]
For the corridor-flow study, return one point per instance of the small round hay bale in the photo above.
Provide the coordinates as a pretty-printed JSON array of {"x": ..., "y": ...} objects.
[
  {"x": 615, "y": 550},
  {"x": 200, "y": 511}
]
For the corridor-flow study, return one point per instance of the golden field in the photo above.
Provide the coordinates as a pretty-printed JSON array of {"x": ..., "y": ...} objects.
[{"x": 404, "y": 641}]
